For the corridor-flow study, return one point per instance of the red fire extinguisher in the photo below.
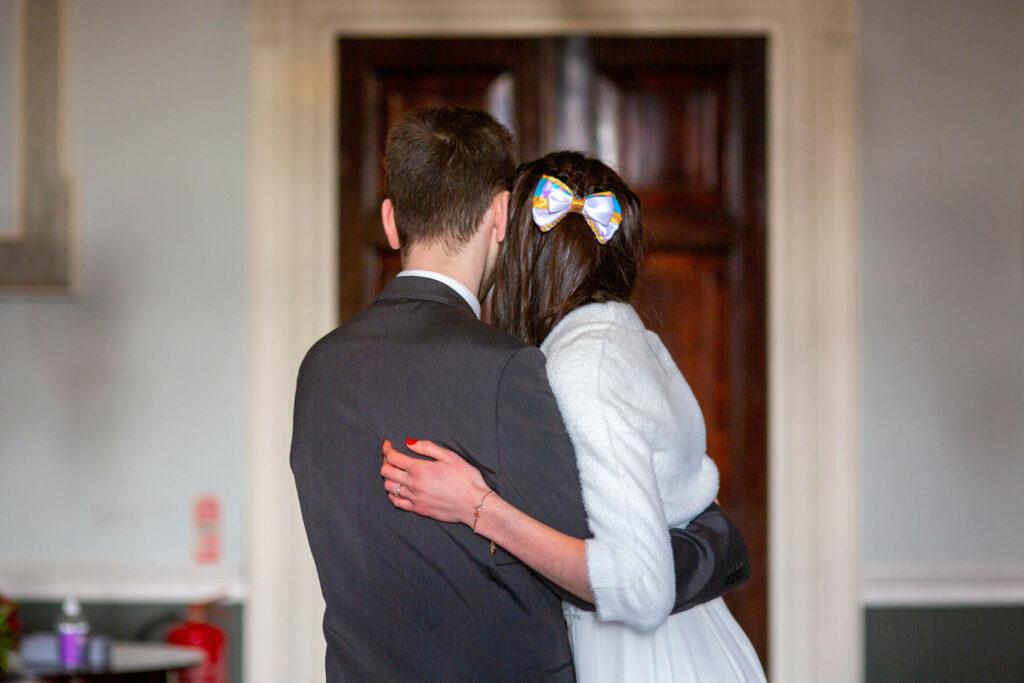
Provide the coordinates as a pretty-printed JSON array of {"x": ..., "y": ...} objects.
[{"x": 197, "y": 631}]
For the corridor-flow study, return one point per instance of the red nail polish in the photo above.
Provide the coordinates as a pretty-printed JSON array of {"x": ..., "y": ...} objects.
[{"x": 409, "y": 442}]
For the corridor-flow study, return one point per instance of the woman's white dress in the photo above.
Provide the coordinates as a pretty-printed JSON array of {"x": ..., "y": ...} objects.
[{"x": 640, "y": 446}]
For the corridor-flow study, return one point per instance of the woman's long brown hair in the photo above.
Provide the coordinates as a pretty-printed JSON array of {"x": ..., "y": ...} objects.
[{"x": 542, "y": 276}]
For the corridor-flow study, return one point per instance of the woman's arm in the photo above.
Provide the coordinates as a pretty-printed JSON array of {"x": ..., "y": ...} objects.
[{"x": 449, "y": 489}]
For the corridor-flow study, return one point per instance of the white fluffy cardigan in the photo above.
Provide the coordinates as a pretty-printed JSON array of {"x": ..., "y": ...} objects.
[{"x": 640, "y": 446}]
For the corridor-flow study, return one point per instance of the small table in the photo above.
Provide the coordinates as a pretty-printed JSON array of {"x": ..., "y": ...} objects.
[{"x": 129, "y": 663}]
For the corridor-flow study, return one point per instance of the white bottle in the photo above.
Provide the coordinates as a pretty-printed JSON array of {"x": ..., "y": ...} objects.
[{"x": 72, "y": 631}]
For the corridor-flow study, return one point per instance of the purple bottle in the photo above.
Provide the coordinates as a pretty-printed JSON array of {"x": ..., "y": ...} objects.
[{"x": 72, "y": 632}]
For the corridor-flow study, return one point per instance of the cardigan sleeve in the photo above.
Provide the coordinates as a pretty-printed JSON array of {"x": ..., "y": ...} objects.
[{"x": 612, "y": 412}]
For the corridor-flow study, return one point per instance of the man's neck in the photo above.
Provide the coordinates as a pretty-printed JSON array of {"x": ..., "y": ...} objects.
[{"x": 436, "y": 259}]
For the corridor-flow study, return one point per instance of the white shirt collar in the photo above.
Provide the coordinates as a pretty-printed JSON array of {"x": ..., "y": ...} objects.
[{"x": 460, "y": 289}]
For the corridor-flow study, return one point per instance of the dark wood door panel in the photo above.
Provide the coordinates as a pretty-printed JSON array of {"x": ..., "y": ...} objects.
[
  {"x": 684, "y": 297},
  {"x": 684, "y": 122},
  {"x": 670, "y": 137},
  {"x": 380, "y": 80}
]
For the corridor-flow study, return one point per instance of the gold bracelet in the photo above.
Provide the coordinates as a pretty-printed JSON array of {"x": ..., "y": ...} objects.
[{"x": 478, "y": 508}]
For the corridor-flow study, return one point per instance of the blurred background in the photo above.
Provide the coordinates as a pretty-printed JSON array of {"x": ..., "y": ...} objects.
[{"x": 132, "y": 347}]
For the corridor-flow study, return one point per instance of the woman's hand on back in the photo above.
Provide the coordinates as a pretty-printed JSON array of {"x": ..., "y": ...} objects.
[{"x": 445, "y": 487}]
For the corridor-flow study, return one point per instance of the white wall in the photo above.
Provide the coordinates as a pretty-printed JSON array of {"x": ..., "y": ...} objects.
[
  {"x": 943, "y": 271},
  {"x": 123, "y": 402},
  {"x": 120, "y": 404},
  {"x": 9, "y": 100}
]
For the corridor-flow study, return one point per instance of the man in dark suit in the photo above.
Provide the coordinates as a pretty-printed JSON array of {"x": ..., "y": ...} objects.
[{"x": 409, "y": 598}]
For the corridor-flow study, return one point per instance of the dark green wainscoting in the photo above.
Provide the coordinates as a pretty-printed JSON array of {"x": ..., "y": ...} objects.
[
  {"x": 939, "y": 644},
  {"x": 136, "y": 621}
]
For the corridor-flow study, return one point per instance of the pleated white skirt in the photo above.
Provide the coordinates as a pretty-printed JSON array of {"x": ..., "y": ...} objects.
[{"x": 700, "y": 645}]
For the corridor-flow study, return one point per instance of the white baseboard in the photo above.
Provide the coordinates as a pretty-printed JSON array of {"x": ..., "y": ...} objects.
[
  {"x": 943, "y": 585},
  {"x": 118, "y": 583}
]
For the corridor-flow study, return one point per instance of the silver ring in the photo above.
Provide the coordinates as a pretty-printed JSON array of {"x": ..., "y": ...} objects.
[{"x": 397, "y": 490}]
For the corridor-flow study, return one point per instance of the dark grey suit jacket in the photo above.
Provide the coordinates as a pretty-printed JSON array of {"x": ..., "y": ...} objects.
[{"x": 409, "y": 598}]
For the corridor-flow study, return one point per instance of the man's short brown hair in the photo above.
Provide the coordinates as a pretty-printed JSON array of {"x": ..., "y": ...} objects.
[{"x": 442, "y": 168}]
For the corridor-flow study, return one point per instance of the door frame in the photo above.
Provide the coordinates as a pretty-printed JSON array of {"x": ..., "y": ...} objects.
[{"x": 813, "y": 290}]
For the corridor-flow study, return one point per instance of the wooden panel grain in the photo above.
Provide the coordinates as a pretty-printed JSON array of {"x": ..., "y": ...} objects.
[
  {"x": 684, "y": 298},
  {"x": 382, "y": 79},
  {"x": 684, "y": 119}
]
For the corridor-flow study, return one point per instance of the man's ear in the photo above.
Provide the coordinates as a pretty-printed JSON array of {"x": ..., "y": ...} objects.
[
  {"x": 387, "y": 216},
  {"x": 500, "y": 207}
]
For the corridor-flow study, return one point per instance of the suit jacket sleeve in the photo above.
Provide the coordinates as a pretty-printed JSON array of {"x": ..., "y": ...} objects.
[
  {"x": 538, "y": 465},
  {"x": 535, "y": 455},
  {"x": 710, "y": 559}
]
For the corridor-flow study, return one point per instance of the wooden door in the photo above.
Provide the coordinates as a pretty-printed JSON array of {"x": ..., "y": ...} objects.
[{"x": 683, "y": 121}]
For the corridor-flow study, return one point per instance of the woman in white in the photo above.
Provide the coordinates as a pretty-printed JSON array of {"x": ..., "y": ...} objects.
[{"x": 569, "y": 265}]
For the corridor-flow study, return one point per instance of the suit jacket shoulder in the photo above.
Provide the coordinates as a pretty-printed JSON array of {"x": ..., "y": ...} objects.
[{"x": 409, "y": 598}]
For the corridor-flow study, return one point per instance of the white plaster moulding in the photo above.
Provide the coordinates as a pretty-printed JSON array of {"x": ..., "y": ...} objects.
[
  {"x": 119, "y": 583},
  {"x": 929, "y": 585}
]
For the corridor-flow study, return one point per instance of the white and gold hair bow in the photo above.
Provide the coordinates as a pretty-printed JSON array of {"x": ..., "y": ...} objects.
[{"x": 552, "y": 200}]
